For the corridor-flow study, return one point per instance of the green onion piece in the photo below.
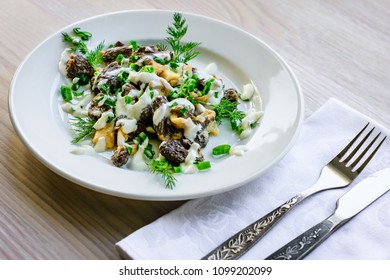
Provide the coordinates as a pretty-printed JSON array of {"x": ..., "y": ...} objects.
[
  {"x": 221, "y": 150},
  {"x": 128, "y": 99},
  {"x": 66, "y": 93},
  {"x": 184, "y": 110},
  {"x": 84, "y": 35},
  {"x": 177, "y": 169},
  {"x": 119, "y": 58},
  {"x": 203, "y": 165},
  {"x": 78, "y": 94},
  {"x": 174, "y": 65},
  {"x": 147, "y": 68},
  {"x": 142, "y": 136},
  {"x": 207, "y": 86},
  {"x": 134, "y": 58},
  {"x": 134, "y": 66},
  {"x": 148, "y": 152},
  {"x": 83, "y": 80},
  {"x": 161, "y": 61},
  {"x": 134, "y": 45},
  {"x": 129, "y": 149}
]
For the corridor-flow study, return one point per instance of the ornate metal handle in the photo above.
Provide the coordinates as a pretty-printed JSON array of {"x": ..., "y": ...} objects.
[
  {"x": 241, "y": 242},
  {"x": 301, "y": 246}
]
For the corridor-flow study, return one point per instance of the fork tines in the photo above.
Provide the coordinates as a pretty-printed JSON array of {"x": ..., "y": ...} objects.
[{"x": 358, "y": 146}]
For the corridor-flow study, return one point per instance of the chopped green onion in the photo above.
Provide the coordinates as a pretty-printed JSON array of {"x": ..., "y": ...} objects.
[
  {"x": 83, "y": 80},
  {"x": 147, "y": 68},
  {"x": 221, "y": 150},
  {"x": 123, "y": 76},
  {"x": 134, "y": 58},
  {"x": 84, "y": 35},
  {"x": 174, "y": 104},
  {"x": 78, "y": 94},
  {"x": 184, "y": 110},
  {"x": 142, "y": 136},
  {"x": 134, "y": 45},
  {"x": 134, "y": 66},
  {"x": 148, "y": 152},
  {"x": 207, "y": 86},
  {"x": 119, "y": 58},
  {"x": 75, "y": 86},
  {"x": 203, "y": 165},
  {"x": 174, "y": 65},
  {"x": 129, "y": 149},
  {"x": 161, "y": 61},
  {"x": 128, "y": 99},
  {"x": 66, "y": 93},
  {"x": 177, "y": 169},
  {"x": 151, "y": 92}
]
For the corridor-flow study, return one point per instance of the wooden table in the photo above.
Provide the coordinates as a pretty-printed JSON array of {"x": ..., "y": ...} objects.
[{"x": 336, "y": 48}]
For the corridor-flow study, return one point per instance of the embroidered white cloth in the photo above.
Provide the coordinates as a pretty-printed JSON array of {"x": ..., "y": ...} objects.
[{"x": 200, "y": 225}]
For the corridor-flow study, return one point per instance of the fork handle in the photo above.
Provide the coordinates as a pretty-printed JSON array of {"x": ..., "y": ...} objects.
[
  {"x": 302, "y": 245},
  {"x": 241, "y": 242}
]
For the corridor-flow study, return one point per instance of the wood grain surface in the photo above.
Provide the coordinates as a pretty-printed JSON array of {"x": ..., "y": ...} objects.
[{"x": 336, "y": 49}]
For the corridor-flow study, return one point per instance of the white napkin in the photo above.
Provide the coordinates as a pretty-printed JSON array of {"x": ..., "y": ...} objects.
[{"x": 200, "y": 225}]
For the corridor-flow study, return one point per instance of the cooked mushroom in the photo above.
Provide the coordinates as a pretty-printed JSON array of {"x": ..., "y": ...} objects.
[
  {"x": 112, "y": 53},
  {"x": 77, "y": 66},
  {"x": 173, "y": 151},
  {"x": 231, "y": 95}
]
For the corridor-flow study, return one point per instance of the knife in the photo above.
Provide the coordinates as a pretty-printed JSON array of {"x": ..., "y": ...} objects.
[{"x": 349, "y": 205}]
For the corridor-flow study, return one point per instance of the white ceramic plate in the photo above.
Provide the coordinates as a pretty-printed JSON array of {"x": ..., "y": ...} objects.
[{"x": 241, "y": 58}]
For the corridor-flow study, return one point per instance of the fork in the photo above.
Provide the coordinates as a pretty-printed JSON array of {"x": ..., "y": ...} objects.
[{"x": 338, "y": 173}]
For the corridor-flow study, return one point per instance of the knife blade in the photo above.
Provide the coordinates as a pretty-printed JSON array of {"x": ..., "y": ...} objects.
[{"x": 350, "y": 204}]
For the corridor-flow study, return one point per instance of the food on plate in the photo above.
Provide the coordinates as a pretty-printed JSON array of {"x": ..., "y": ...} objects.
[{"x": 147, "y": 105}]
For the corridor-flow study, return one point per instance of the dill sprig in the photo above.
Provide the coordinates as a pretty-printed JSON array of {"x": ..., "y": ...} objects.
[
  {"x": 82, "y": 127},
  {"x": 165, "y": 169},
  {"x": 95, "y": 56},
  {"x": 182, "y": 52},
  {"x": 227, "y": 109}
]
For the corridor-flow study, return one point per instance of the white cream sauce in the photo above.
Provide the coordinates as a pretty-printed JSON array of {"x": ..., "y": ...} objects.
[
  {"x": 188, "y": 166},
  {"x": 63, "y": 61},
  {"x": 137, "y": 162},
  {"x": 247, "y": 92},
  {"x": 80, "y": 108},
  {"x": 238, "y": 150},
  {"x": 128, "y": 125},
  {"x": 251, "y": 117},
  {"x": 100, "y": 145},
  {"x": 102, "y": 121}
]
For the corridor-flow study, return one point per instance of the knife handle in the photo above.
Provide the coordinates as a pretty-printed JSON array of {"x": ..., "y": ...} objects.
[
  {"x": 302, "y": 245},
  {"x": 241, "y": 242}
]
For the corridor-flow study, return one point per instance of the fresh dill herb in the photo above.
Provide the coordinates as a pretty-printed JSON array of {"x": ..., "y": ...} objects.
[
  {"x": 165, "y": 169},
  {"x": 95, "y": 57},
  {"x": 82, "y": 127},
  {"x": 161, "y": 46},
  {"x": 182, "y": 52},
  {"x": 235, "y": 118},
  {"x": 227, "y": 109}
]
